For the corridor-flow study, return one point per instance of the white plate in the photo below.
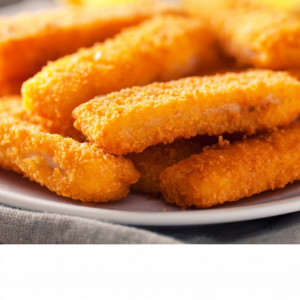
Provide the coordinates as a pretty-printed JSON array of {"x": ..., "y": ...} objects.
[{"x": 138, "y": 210}]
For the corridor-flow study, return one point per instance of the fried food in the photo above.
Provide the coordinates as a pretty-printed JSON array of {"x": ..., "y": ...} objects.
[
  {"x": 5, "y": 162},
  {"x": 11, "y": 106},
  {"x": 157, "y": 50},
  {"x": 29, "y": 41},
  {"x": 134, "y": 119},
  {"x": 295, "y": 73},
  {"x": 290, "y": 5},
  {"x": 151, "y": 162},
  {"x": 258, "y": 36},
  {"x": 228, "y": 173},
  {"x": 10, "y": 87},
  {"x": 69, "y": 168}
]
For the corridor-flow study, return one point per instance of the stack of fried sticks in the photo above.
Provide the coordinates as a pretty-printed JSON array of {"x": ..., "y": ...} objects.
[{"x": 126, "y": 114}]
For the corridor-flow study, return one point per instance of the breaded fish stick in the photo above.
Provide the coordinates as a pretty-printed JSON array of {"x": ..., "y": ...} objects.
[
  {"x": 295, "y": 73},
  {"x": 290, "y": 5},
  {"x": 157, "y": 50},
  {"x": 74, "y": 170},
  {"x": 151, "y": 162},
  {"x": 10, "y": 87},
  {"x": 134, "y": 119},
  {"x": 257, "y": 36},
  {"x": 5, "y": 162},
  {"x": 235, "y": 171},
  {"x": 11, "y": 106},
  {"x": 29, "y": 41}
]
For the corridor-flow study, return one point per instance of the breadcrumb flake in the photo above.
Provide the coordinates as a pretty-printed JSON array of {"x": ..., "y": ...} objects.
[{"x": 134, "y": 119}]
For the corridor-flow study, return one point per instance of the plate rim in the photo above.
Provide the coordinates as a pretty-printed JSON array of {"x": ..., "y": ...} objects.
[{"x": 152, "y": 219}]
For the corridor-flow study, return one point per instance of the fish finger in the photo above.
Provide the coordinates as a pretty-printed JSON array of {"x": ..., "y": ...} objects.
[
  {"x": 290, "y": 5},
  {"x": 255, "y": 35},
  {"x": 11, "y": 106},
  {"x": 10, "y": 87},
  {"x": 28, "y": 41},
  {"x": 230, "y": 172},
  {"x": 151, "y": 162},
  {"x": 69, "y": 168},
  {"x": 134, "y": 119},
  {"x": 5, "y": 162},
  {"x": 158, "y": 50}
]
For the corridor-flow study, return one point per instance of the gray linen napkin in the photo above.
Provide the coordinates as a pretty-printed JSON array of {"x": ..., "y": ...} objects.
[
  {"x": 11, "y": 7},
  {"x": 25, "y": 227},
  {"x": 283, "y": 229}
]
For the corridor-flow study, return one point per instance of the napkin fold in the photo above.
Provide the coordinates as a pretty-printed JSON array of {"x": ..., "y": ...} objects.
[
  {"x": 284, "y": 229},
  {"x": 12, "y": 7},
  {"x": 26, "y": 227},
  {"x": 19, "y": 226}
]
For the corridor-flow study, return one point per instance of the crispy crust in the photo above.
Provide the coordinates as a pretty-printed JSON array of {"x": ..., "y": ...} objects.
[
  {"x": 231, "y": 172},
  {"x": 133, "y": 119},
  {"x": 137, "y": 56},
  {"x": 29, "y": 41},
  {"x": 11, "y": 106},
  {"x": 5, "y": 162},
  {"x": 10, "y": 87},
  {"x": 258, "y": 36},
  {"x": 74, "y": 170},
  {"x": 151, "y": 162}
]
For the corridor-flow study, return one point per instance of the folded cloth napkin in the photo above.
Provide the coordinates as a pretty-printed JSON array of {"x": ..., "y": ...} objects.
[
  {"x": 7, "y": 2},
  {"x": 25, "y": 227},
  {"x": 11, "y": 7},
  {"x": 283, "y": 229}
]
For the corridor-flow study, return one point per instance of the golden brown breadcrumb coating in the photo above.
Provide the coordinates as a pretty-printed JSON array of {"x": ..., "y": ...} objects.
[
  {"x": 5, "y": 162},
  {"x": 134, "y": 119},
  {"x": 231, "y": 172},
  {"x": 294, "y": 73},
  {"x": 152, "y": 161},
  {"x": 258, "y": 36},
  {"x": 11, "y": 106},
  {"x": 29, "y": 41},
  {"x": 10, "y": 87},
  {"x": 69, "y": 168},
  {"x": 157, "y": 50}
]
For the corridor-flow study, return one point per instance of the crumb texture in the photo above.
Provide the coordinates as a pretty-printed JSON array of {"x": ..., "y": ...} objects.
[
  {"x": 152, "y": 161},
  {"x": 255, "y": 35},
  {"x": 227, "y": 173},
  {"x": 74, "y": 170},
  {"x": 137, "y": 56},
  {"x": 134, "y": 119},
  {"x": 29, "y": 40}
]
